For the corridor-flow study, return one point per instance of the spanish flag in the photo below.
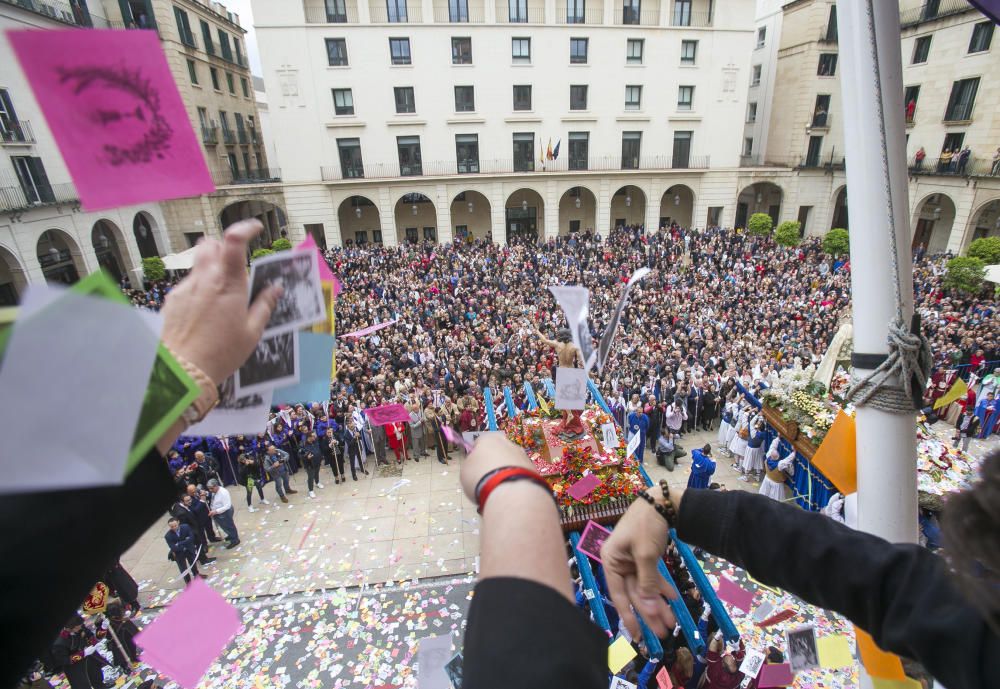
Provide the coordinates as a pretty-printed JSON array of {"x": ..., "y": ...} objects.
[
  {"x": 548, "y": 151},
  {"x": 957, "y": 392}
]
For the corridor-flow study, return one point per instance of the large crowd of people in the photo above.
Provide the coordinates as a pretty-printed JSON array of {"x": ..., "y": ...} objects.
[{"x": 719, "y": 306}]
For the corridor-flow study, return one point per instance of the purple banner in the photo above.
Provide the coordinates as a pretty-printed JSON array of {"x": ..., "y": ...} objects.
[{"x": 387, "y": 413}]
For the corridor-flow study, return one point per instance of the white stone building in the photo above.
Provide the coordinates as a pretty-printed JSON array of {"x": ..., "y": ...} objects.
[{"x": 410, "y": 120}]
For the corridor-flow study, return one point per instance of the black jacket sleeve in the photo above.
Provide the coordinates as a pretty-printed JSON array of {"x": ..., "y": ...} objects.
[
  {"x": 57, "y": 544},
  {"x": 901, "y": 594},
  {"x": 525, "y": 635}
]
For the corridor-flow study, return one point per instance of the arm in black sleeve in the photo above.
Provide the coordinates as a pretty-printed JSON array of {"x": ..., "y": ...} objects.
[
  {"x": 523, "y": 634},
  {"x": 901, "y": 594},
  {"x": 57, "y": 544}
]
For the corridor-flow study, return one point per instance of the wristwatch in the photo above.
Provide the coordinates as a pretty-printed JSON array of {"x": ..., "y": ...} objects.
[{"x": 206, "y": 401}]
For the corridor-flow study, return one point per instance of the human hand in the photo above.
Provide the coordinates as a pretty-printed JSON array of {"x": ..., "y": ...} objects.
[
  {"x": 212, "y": 300},
  {"x": 630, "y": 557},
  {"x": 491, "y": 451}
]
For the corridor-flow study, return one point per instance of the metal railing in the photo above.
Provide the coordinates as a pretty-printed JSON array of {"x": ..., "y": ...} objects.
[
  {"x": 17, "y": 132},
  {"x": 931, "y": 11},
  {"x": 535, "y": 15},
  {"x": 507, "y": 166},
  {"x": 61, "y": 12},
  {"x": 316, "y": 14},
  {"x": 695, "y": 18},
  {"x": 474, "y": 15},
  {"x": 625, "y": 17},
  {"x": 830, "y": 162},
  {"x": 261, "y": 176},
  {"x": 254, "y": 136},
  {"x": 952, "y": 167},
  {"x": 591, "y": 15},
  {"x": 381, "y": 15},
  {"x": 210, "y": 135},
  {"x": 242, "y": 135},
  {"x": 116, "y": 24},
  {"x": 228, "y": 136},
  {"x": 14, "y": 198}
]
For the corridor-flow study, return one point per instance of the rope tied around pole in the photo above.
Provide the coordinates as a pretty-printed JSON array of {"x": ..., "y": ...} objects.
[{"x": 897, "y": 384}]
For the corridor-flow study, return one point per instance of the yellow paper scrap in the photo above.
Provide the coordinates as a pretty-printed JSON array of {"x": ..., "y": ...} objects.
[
  {"x": 905, "y": 683},
  {"x": 834, "y": 652},
  {"x": 619, "y": 654}
]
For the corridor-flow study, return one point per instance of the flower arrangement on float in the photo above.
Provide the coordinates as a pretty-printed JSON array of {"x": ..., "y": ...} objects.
[{"x": 620, "y": 477}]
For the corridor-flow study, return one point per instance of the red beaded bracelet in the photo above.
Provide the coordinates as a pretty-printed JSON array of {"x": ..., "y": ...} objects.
[{"x": 500, "y": 476}]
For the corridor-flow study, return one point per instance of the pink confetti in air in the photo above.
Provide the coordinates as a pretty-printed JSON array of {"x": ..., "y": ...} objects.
[
  {"x": 186, "y": 639},
  {"x": 113, "y": 107},
  {"x": 453, "y": 436},
  {"x": 734, "y": 594}
]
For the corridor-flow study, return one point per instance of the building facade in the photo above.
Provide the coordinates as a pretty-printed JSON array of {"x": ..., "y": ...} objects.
[
  {"x": 44, "y": 233},
  {"x": 205, "y": 48},
  {"x": 402, "y": 121},
  {"x": 951, "y": 105}
]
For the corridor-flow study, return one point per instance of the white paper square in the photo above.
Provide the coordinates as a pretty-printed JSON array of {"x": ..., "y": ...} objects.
[
  {"x": 571, "y": 388},
  {"x": 88, "y": 360}
]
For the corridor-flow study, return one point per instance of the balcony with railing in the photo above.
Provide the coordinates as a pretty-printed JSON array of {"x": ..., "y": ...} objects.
[
  {"x": 508, "y": 166},
  {"x": 566, "y": 13},
  {"x": 262, "y": 176},
  {"x": 513, "y": 12},
  {"x": 14, "y": 197},
  {"x": 456, "y": 13},
  {"x": 954, "y": 167},
  {"x": 626, "y": 16},
  {"x": 15, "y": 132},
  {"x": 929, "y": 11},
  {"x": 210, "y": 135},
  {"x": 828, "y": 163},
  {"x": 228, "y": 136},
  {"x": 61, "y": 12},
  {"x": 116, "y": 24},
  {"x": 243, "y": 136},
  {"x": 821, "y": 120},
  {"x": 254, "y": 136},
  {"x": 395, "y": 12},
  {"x": 330, "y": 12},
  {"x": 696, "y": 18}
]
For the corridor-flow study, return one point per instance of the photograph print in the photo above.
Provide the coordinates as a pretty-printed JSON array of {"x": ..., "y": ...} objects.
[
  {"x": 802, "y": 651},
  {"x": 297, "y": 272},
  {"x": 273, "y": 364}
]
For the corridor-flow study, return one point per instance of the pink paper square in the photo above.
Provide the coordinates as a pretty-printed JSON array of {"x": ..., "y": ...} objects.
[
  {"x": 114, "y": 110},
  {"x": 190, "y": 635},
  {"x": 325, "y": 274},
  {"x": 734, "y": 594},
  {"x": 663, "y": 679},
  {"x": 592, "y": 539},
  {"x": 584, "y": 487},
  {"x": 776, "y": 675}
]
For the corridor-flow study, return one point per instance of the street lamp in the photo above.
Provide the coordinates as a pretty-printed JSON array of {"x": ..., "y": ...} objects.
[
  {"x": 577, "y": 202},
  {"x": 677, "y": 199},
  {"x": 470, "y": 206},
  {"x": 413, "y": 208},
  {"x": 357, "y": 211},
  {"x": 524, "y": 205},
  {"x": 628, "y": 200}
]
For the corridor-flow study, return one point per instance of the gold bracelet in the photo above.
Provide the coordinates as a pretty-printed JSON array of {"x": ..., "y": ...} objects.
[{"x": 206, "y": 401}]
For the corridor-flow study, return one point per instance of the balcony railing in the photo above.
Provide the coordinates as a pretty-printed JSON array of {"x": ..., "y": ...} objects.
[
  {"x": 507, "y": 166},
  {"x": 228, "y": 136},
  {"x": 316, "y": 14},
  {"x": 624, "y": 17},
  {"x": 698, "y": 19},
  {"x": 14, "y": 198},
  {"x": 262, "y": 176},
  {"x": 381, "y": 15},
  {"x": 17, "y": 132},
  {"x": 254, "y": 136},
  {"x": 973, "y": 167},
  {"x": 242, "y": 135},
  {"x": 61, "y": 12},
  {"x": 115, "y": 24},
  {"x": 830, "y": 162},
  {"x": 474, "y": 15},
  {"x": 931, "y": 11},
  {"x": 210, "y": 135},
  {"x": 535, "y": 15},
  {"x": 591, "y": 15}
]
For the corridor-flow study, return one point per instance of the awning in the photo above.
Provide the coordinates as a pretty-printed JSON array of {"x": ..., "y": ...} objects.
[{"x": 182, "y": 261}]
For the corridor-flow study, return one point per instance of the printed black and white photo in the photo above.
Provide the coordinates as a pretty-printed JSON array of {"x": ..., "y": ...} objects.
[
  {"x": 301, "y": 302},
  {"x": 273, "y": 364},
  {"x": 228, "y": 399},
  {"x": 802, "y": 651}
]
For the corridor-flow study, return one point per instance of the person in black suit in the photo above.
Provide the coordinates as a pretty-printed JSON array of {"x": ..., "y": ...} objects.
[
  {"x": 200, "y": 509},
  {"x": 183, "y": 510},
  {"x": 183, "y": 548}
]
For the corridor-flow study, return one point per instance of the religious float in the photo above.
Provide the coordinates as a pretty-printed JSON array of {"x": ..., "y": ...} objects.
[{"x": 593, "y": 481}]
